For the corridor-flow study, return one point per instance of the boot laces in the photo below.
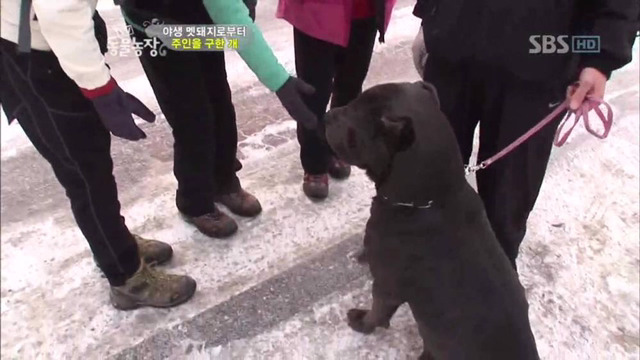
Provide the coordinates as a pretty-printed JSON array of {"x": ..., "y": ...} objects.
[{"x": 155, "y": 278}]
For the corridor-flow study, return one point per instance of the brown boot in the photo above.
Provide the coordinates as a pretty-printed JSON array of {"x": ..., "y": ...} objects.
[
  {"x": 214, "y": 224},
  {"x": 153, "y": 251},
  {"x": 316, "y": 186},
  {"x": 241, "y": 203},
  {"x": 151, "y": 287},
  {"x": 339, "y": 169}
]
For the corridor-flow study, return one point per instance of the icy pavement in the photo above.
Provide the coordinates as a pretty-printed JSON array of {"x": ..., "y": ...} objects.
[{"x": 280, "y": 288}]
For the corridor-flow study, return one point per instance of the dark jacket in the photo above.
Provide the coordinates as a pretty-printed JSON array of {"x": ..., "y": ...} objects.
[
  {"x": 172, "y": 11},
  {"x": 498, "y": 32},
  {"x": 168, "y": 11}
]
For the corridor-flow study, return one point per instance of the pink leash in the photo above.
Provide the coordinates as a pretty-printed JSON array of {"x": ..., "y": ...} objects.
[{"x": 581, "y": 113}]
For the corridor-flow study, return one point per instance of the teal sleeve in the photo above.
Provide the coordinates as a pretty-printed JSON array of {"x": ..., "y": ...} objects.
[{"x": 257, "y": 54}]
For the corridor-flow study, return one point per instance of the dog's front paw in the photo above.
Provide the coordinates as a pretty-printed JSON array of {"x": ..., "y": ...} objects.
[
  {"x": 357, "y": 321},
  {"x": 359, "y": 256}
]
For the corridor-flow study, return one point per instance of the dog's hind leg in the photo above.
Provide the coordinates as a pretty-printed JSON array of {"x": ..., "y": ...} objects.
[{"x": 366, "y": 321}]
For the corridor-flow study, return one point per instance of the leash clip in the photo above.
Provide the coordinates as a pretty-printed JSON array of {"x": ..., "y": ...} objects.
[{"x": 471, "y": 169}]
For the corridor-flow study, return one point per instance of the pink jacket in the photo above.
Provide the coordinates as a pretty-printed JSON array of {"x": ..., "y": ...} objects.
[{"x": 328, "y": 20}]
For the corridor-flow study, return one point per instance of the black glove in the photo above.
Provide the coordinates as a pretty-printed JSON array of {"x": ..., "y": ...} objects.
[
  {"x": 290, "y": 95},
  {"x": 115, "y": 106}
]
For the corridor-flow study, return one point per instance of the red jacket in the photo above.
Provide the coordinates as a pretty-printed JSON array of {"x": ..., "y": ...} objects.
[{"x": 330, "y": 20}]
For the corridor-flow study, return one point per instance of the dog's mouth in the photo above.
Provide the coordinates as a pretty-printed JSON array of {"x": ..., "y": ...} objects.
[
  {"x": 341, "y": 143},
  {"x": 347, "y": 149}
]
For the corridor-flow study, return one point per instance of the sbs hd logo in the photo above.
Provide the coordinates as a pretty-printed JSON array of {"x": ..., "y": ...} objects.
[{"x": 550, "y": 44}]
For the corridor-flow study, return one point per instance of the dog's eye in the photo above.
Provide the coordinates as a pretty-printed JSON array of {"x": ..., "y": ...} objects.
[{"x": 351, "y": 138}]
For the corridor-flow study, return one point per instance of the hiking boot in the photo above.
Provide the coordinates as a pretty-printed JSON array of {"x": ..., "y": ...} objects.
[
  {"x": 241, "y": 203},
  {"x": 151, "y": 251},
  {"x": 339, "y": 169},
  {"x": 316, "y": 186},
  {"x": 151, "y": 287},
  {"x": 214, "y": 224}
]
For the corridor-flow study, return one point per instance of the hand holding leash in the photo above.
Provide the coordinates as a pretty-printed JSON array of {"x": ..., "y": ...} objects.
[
  {"x": 576, "y": 93},
  {"x": 590, "y": 83}
]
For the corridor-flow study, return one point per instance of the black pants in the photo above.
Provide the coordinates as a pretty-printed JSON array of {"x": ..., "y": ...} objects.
[
  {"x": 194, "y": 95},
  {"x": 66, "y": 130},
  {"x": 506, "y": 108},
  {"x": 335, "y": 72}
]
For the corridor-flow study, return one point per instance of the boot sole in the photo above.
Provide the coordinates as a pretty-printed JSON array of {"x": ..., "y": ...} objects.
[
  {"x": 315, "y": 195},
  {"x": 188, "y": 220},
  {"x": 129, "y": 304},
  {"x": 317, "y": 198}
]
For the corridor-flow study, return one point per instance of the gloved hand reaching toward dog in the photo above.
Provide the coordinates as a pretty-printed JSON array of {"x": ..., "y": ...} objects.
[
  {"x": 291, "y": 92},
  {"x": 257, "y": 54},
  {"x": 290, "y": 95},
  {"x": 115, "y": 108}
]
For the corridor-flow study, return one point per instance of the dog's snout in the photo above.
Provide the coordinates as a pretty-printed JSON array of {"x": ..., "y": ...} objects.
[{"x": 332, "y": 116}]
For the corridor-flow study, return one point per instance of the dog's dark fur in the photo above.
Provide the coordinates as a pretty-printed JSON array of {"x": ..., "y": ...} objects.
[{"x": 445, "y": 260}]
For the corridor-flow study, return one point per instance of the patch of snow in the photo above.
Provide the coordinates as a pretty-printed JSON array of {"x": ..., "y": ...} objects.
[
  {"x": 255, "y": 147},
  {"x": 12, "y": 138},
  {"x": 104, "y": 5}
]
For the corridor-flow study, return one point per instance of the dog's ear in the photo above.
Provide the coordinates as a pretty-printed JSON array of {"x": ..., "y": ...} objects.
[
  {"x": 398, "y": 132},
  {"x": 430, "y": 88}
]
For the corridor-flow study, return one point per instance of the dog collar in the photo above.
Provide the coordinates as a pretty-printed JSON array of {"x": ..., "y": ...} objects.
[{"x": 428, "y": 205}]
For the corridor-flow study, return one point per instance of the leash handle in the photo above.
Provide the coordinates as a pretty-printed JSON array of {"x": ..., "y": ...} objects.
[{"x": 582, "y": 113}]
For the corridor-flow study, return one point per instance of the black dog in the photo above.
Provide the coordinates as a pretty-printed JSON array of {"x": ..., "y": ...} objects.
[{"x": 428, "y": 241}]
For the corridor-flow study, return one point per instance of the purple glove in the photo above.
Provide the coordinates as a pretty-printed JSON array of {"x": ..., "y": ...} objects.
[{"x": 115, "y": 106}]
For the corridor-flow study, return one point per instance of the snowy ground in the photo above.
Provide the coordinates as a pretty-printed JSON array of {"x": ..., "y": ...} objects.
[{"x": 281, "y": 287}]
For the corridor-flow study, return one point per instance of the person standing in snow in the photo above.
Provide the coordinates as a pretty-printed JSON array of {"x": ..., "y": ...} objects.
[
  {"x": 194, "y": 95},
  {"x": 62, "y": 94},
  {"x": 333, "y": 45},
  {"x": 482, "y": 60}
]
